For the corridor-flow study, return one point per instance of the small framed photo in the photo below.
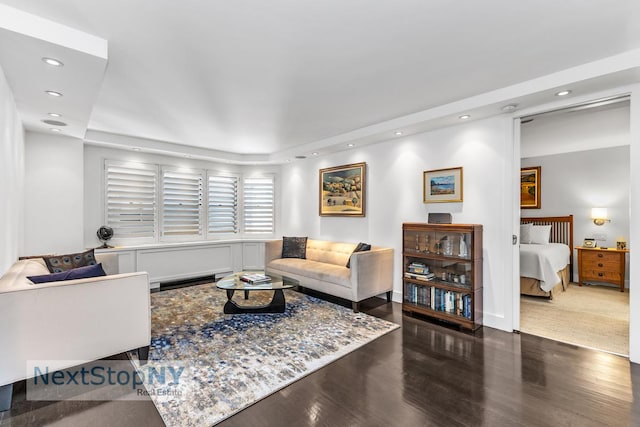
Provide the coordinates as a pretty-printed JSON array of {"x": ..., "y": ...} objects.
[
  {"x": 530, "y": 188},
  {"x": 442, "y": 185},
  {"x": 343, "y": 190}
]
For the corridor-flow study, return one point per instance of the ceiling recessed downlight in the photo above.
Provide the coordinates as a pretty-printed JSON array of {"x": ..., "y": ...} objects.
[
  {"x": 510, "y": 107},
  {"x": 54, "y": 114},
  {"x": 136, "y": 148},
  {"x": 54, "y": 122},
  {"x": 315, "y": 153},
  {"x": 52, "y": 93},
  {"x": 351, "y": 145},
  {"x": 398, "y": 133},
  {"x": 53, "y": 62},
  {"x": 464, "y": 117},
  {"x": 55, "y": 130},
  {"x": 563, "y": 93}
]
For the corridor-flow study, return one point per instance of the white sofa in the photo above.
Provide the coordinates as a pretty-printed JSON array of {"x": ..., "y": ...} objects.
[
  {"x": 324, "y": 269},
  {"x": 69, "y": 321}
]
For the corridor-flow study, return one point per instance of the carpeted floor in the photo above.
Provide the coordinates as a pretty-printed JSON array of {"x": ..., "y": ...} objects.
[
  {"x": 591, "y": 316},
  {"x": 232, "y": 361}
]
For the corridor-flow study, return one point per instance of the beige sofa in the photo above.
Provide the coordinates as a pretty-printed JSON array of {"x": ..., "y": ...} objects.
[
  {"x": 324, "y": 269},
  {"x": 70, "y": 322}
]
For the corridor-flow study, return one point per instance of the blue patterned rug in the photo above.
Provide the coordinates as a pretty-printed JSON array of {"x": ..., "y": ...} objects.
[{"x": 231, "y": 361}]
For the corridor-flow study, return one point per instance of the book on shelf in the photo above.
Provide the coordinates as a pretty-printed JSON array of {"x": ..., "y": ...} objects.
[
  {"x": 255, "y": 278},
  {"x": 425, "y": 277}
]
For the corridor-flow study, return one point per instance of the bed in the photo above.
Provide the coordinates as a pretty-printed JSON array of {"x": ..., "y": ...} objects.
[{"x": 547, "y": 268}]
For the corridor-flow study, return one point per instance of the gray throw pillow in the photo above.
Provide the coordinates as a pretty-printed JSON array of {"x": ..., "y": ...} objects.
[
  {"x": 59, "y": 263},
  {"x": 362, "y": 247},
  {"x": 294, "y": 247}
]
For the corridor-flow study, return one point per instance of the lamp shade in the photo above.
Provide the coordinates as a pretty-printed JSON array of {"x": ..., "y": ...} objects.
[{"x": 599, "y": 213}]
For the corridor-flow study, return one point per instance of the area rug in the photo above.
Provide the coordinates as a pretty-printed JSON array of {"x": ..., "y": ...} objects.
[
  {"x": 590, "y": 316},
  {"x": 232, "y": 361}
]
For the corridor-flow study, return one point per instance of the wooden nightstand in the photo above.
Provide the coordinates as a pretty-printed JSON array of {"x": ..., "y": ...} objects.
[{"x": 601, "y": 265}]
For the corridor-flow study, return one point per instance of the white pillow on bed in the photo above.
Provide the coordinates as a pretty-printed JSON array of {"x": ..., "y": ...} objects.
[
  {"x": 540, "y": 234},
  {"x": 525, "y": 233}
]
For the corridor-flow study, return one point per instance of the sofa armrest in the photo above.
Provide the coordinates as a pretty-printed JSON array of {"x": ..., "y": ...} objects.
[
  {"x": 371, "y": 273},
  {"x": 272, "y": 250}
]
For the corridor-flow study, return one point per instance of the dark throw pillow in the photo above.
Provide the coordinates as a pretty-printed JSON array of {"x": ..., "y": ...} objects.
[
  {"x": 294, "y": 247},
  {"x": 362, "y": 247},
  {"x": 95, "y": 270},
  {"x": 60, "y": 263}
]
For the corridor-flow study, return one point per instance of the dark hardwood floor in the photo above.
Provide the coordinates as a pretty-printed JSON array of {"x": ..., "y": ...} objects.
[{"x": 423, "y": 374}]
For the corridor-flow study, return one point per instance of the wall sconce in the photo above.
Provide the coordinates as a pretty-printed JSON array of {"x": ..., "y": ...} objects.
[{"x": 599, "y": 216}]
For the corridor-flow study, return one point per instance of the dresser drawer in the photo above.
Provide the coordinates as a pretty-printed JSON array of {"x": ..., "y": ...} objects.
[
  {"x": 603, "y": 276},
  {"x": 604, "y": 264},
  {"x": 598, "y": 256}
]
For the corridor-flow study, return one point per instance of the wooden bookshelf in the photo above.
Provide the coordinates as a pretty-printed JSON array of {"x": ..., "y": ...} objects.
[{"x": 442, "y": 272}]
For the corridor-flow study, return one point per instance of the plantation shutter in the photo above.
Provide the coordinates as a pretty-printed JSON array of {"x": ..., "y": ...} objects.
[
  {"x": 181, "y": 203},
  {"x": 258, "y": 195},
  {"x": 131, "y": 199},
  {"x": 223, "y": 204}
]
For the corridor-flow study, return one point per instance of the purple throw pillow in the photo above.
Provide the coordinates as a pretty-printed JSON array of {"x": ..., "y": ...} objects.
[{"x": 76, "y": 273}]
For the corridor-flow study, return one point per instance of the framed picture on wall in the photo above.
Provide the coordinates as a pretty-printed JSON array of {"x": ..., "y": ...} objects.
[
  {"x": 530, "y": 187},
  {"x": 442, "y": 185},
  {"x": 343, "y": 190}
]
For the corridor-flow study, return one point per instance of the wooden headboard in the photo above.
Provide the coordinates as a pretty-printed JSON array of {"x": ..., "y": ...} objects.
[{"x": 561, "y": 231}]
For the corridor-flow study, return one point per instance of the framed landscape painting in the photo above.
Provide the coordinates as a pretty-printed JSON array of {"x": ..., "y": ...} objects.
[
  {"x": 342, "y": 190},
  {"x": 530, "y": 188},
  {"x": 442, "y": 185}
]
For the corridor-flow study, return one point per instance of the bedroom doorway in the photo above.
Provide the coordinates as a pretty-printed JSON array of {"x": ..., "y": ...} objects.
[{"x": 582, "y": 153}]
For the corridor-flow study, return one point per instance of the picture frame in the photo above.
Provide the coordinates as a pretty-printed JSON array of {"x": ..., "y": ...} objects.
[
  {"x": 530, "y": 195},
  {"x": 343, "y": 190},
  {"x": 442, "y": 185}
]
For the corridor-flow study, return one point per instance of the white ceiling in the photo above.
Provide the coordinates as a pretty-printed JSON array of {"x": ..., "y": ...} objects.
[{"x": 281, "y": 77}]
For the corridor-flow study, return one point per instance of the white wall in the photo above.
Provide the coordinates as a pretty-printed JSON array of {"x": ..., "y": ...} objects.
[
  {"x": 634, "y": 255},
  {"x": 394, "y": 195},
  {"x": 11, "y": 177},
  {"x": 54, "y": 188},
  {"x": 573, "y": 183},
  {"x": 576, "y": 131},
  {"x": 94, "y": 157}
]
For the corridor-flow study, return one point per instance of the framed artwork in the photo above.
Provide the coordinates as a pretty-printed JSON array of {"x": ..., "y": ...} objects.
[
  {"x": 442, "y": 185},
  {"x": 530, "y": 188},
  {"x": 343, "y": 190}
]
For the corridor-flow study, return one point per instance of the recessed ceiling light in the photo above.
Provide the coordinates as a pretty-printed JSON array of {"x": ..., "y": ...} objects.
[
  {"x": 314, "y": 153},
  {"x": 54, "y": 122},
  {"x": 187, "y": 156},
  {"x": 398, "y": 133},
  {"x": 510, "y": 107},
  {"x": 351, "y": 145},
  {"x": 563, "y": 93},
  {"x": 52, "y": 93},
  {"x": 55, "y": 114},
  {"x": 53, "y": 62},
  {"x": 464, "y": 117},
  {"x": 136, "y": 149},
  {"x": 55, "y": 130}
]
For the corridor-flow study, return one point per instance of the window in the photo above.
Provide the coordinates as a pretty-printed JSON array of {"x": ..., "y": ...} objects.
[
  {"x": 222, "y": 204},
  {"x": 182, "y": 209},
  {"x": 147, "y": 203},
  {"x": 131, "y": 199},
  {"x": 258, "y": 206}
]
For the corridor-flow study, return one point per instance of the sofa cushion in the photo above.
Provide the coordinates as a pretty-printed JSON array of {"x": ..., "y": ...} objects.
[
  {"x": 59, "y": 263},
  {"x": 337, "y": 274},
  {"x": 294, "y": 247},
  {"x": 362, "y": 247},
  {"x": 329, "y": 252},
  {"x": 86, "y": 272}
]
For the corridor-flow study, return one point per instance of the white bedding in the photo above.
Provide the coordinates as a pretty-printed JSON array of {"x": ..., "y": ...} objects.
[{"x": 543, "y": 262}]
